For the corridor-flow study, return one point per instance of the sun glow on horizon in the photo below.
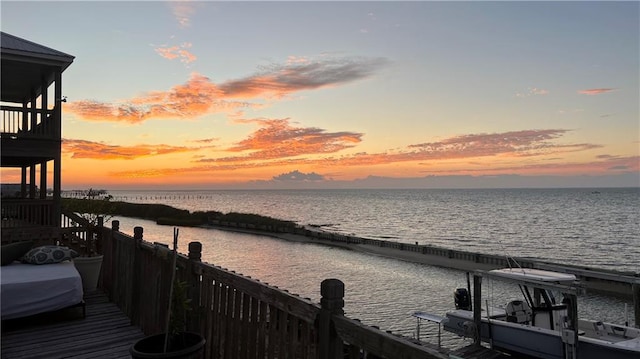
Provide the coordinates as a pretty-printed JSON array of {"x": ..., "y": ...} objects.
[{"x": 409, "y": 93}]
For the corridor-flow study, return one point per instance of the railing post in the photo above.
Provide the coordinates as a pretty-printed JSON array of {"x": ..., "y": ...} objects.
[
  {"x": 136, "y": 283},
  {"x": 109, "y": 260},
  {"x": 194, "y": 272},
  {"x": 115, "y": 225},
  {"x": 137, "y": 233},
  {"x": 195, "y": 251},
  {"x": 332, "y": 303}
]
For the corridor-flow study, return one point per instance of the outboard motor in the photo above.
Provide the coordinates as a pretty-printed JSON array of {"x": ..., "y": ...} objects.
[{"x": 462, "y": 299}]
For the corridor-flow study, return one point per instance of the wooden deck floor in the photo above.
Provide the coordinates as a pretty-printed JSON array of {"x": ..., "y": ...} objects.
[{"x": 105, "y": 332}]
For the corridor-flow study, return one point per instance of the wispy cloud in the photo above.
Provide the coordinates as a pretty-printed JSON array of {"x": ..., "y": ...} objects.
[
  {"x": 200, "y": 96},
  {"x": 97, "y": 150},
  {"x": 182, "y": 10},
  {"x": 575, "y": 110},
  {"x": 521, "y": 143},
  {"x": 532, "y": 91},
  {"x": 279, "y": 80},
  {"x": 206, "y": 140},
  {"x": 269, "y": 147},
  {"x": 597, "y": 91},
  {"x": 177, "y": 52},
  {"x": 603, "y": 165}
]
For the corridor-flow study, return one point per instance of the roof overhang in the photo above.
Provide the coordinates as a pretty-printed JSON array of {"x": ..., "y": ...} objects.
[{"x": 26, "y": 67}]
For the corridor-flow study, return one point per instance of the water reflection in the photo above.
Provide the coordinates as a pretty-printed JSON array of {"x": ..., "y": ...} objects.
[{"x": 378, "y": 291}]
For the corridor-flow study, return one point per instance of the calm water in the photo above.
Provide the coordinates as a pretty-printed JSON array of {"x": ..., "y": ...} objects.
[
  {"x": 599, "y": 228},
  {"x": 575, "y": 226}
]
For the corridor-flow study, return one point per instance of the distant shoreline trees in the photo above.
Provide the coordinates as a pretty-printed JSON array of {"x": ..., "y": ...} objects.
[{"x": 165, "y": 215}]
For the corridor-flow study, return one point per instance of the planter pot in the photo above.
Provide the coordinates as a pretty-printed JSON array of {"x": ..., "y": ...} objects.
[
  {"x": 89, "y": 269},
  {"x": 153, "y": 347}
]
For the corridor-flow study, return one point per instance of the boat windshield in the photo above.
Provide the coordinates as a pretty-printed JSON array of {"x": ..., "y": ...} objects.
[{"x": 525, "y": 274}]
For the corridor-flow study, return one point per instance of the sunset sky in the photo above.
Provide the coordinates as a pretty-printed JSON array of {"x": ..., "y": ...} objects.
[{"x": 327, "y": 94}]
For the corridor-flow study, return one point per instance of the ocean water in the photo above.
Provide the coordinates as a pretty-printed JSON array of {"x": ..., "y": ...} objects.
[{"x": 591, "y": 227}]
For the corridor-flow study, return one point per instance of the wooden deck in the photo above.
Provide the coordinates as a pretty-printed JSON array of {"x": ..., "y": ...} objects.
[{"x": 105, "y": 332}]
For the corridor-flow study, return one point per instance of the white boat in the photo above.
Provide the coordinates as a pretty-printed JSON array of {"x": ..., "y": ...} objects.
[{"x": 538, "y": 325}]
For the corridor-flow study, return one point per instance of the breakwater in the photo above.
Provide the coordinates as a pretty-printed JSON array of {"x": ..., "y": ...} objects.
[
  {"x": 610, "y": 282},
  {"x": 599, "y": 280},
  {"x": 573, "y": 226}
]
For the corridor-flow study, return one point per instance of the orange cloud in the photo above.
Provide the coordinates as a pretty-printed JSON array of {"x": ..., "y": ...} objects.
[
  {"x": 176, "y": 52},
  {"x": 599, "y": 91},
  {"x": 182, "y": 10},
  {"x": 101, "y": 151},
  {"x": 275, "y": 145},
  {"x": 199, "y": 96},
  {"x": 196, "y": 97},
  {"x": 278, "y": 139},
  {"x": 520, "y": 143},
  {"x": 604, "y": 165}
]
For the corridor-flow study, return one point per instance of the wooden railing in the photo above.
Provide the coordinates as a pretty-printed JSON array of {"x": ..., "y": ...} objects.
[
  {"x": 74, "y": 231},
  {"x": 239, "y": 317},
  {"x": 81, "y": 234},
  {"x": 26, "y": 122},
  {"x": 27, "y": 213}
]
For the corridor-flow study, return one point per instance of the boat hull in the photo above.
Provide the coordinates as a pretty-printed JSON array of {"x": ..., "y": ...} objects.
[{"x": 533, "y": 341}]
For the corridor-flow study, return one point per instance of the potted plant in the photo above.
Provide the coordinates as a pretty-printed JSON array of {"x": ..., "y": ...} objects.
[
  {"x": 89, "y": 263},
  {"x": 92, "y": 213},
  {"x": 175, "y": 342}
]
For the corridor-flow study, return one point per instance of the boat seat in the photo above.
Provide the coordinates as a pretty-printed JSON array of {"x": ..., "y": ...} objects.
[{"x": 518, "y": 311}]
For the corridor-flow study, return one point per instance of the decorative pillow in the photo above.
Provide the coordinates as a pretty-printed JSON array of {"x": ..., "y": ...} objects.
[
  {"x": 48, "y": 255},
  {"x": 14, "y": 251}
]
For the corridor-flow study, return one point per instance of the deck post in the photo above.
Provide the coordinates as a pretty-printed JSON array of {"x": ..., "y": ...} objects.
[
  {"x": 195, "y": 251},
  {"x": 331, "y": 303},
  {"x": 636, "y": 303},
  {"x": 477, "y": 308},
  {"x": 110, "y": 259},
  {"x": 99, "y": 235},
  {"x": 43, "y": 184},
  {"x": 194, "y": 272},
  {"x": 57, "y": 159},
  {"x": 138, "y": 232},
  {"x": 115, "y": 225},
  {"x": 136, "y": 283}
]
